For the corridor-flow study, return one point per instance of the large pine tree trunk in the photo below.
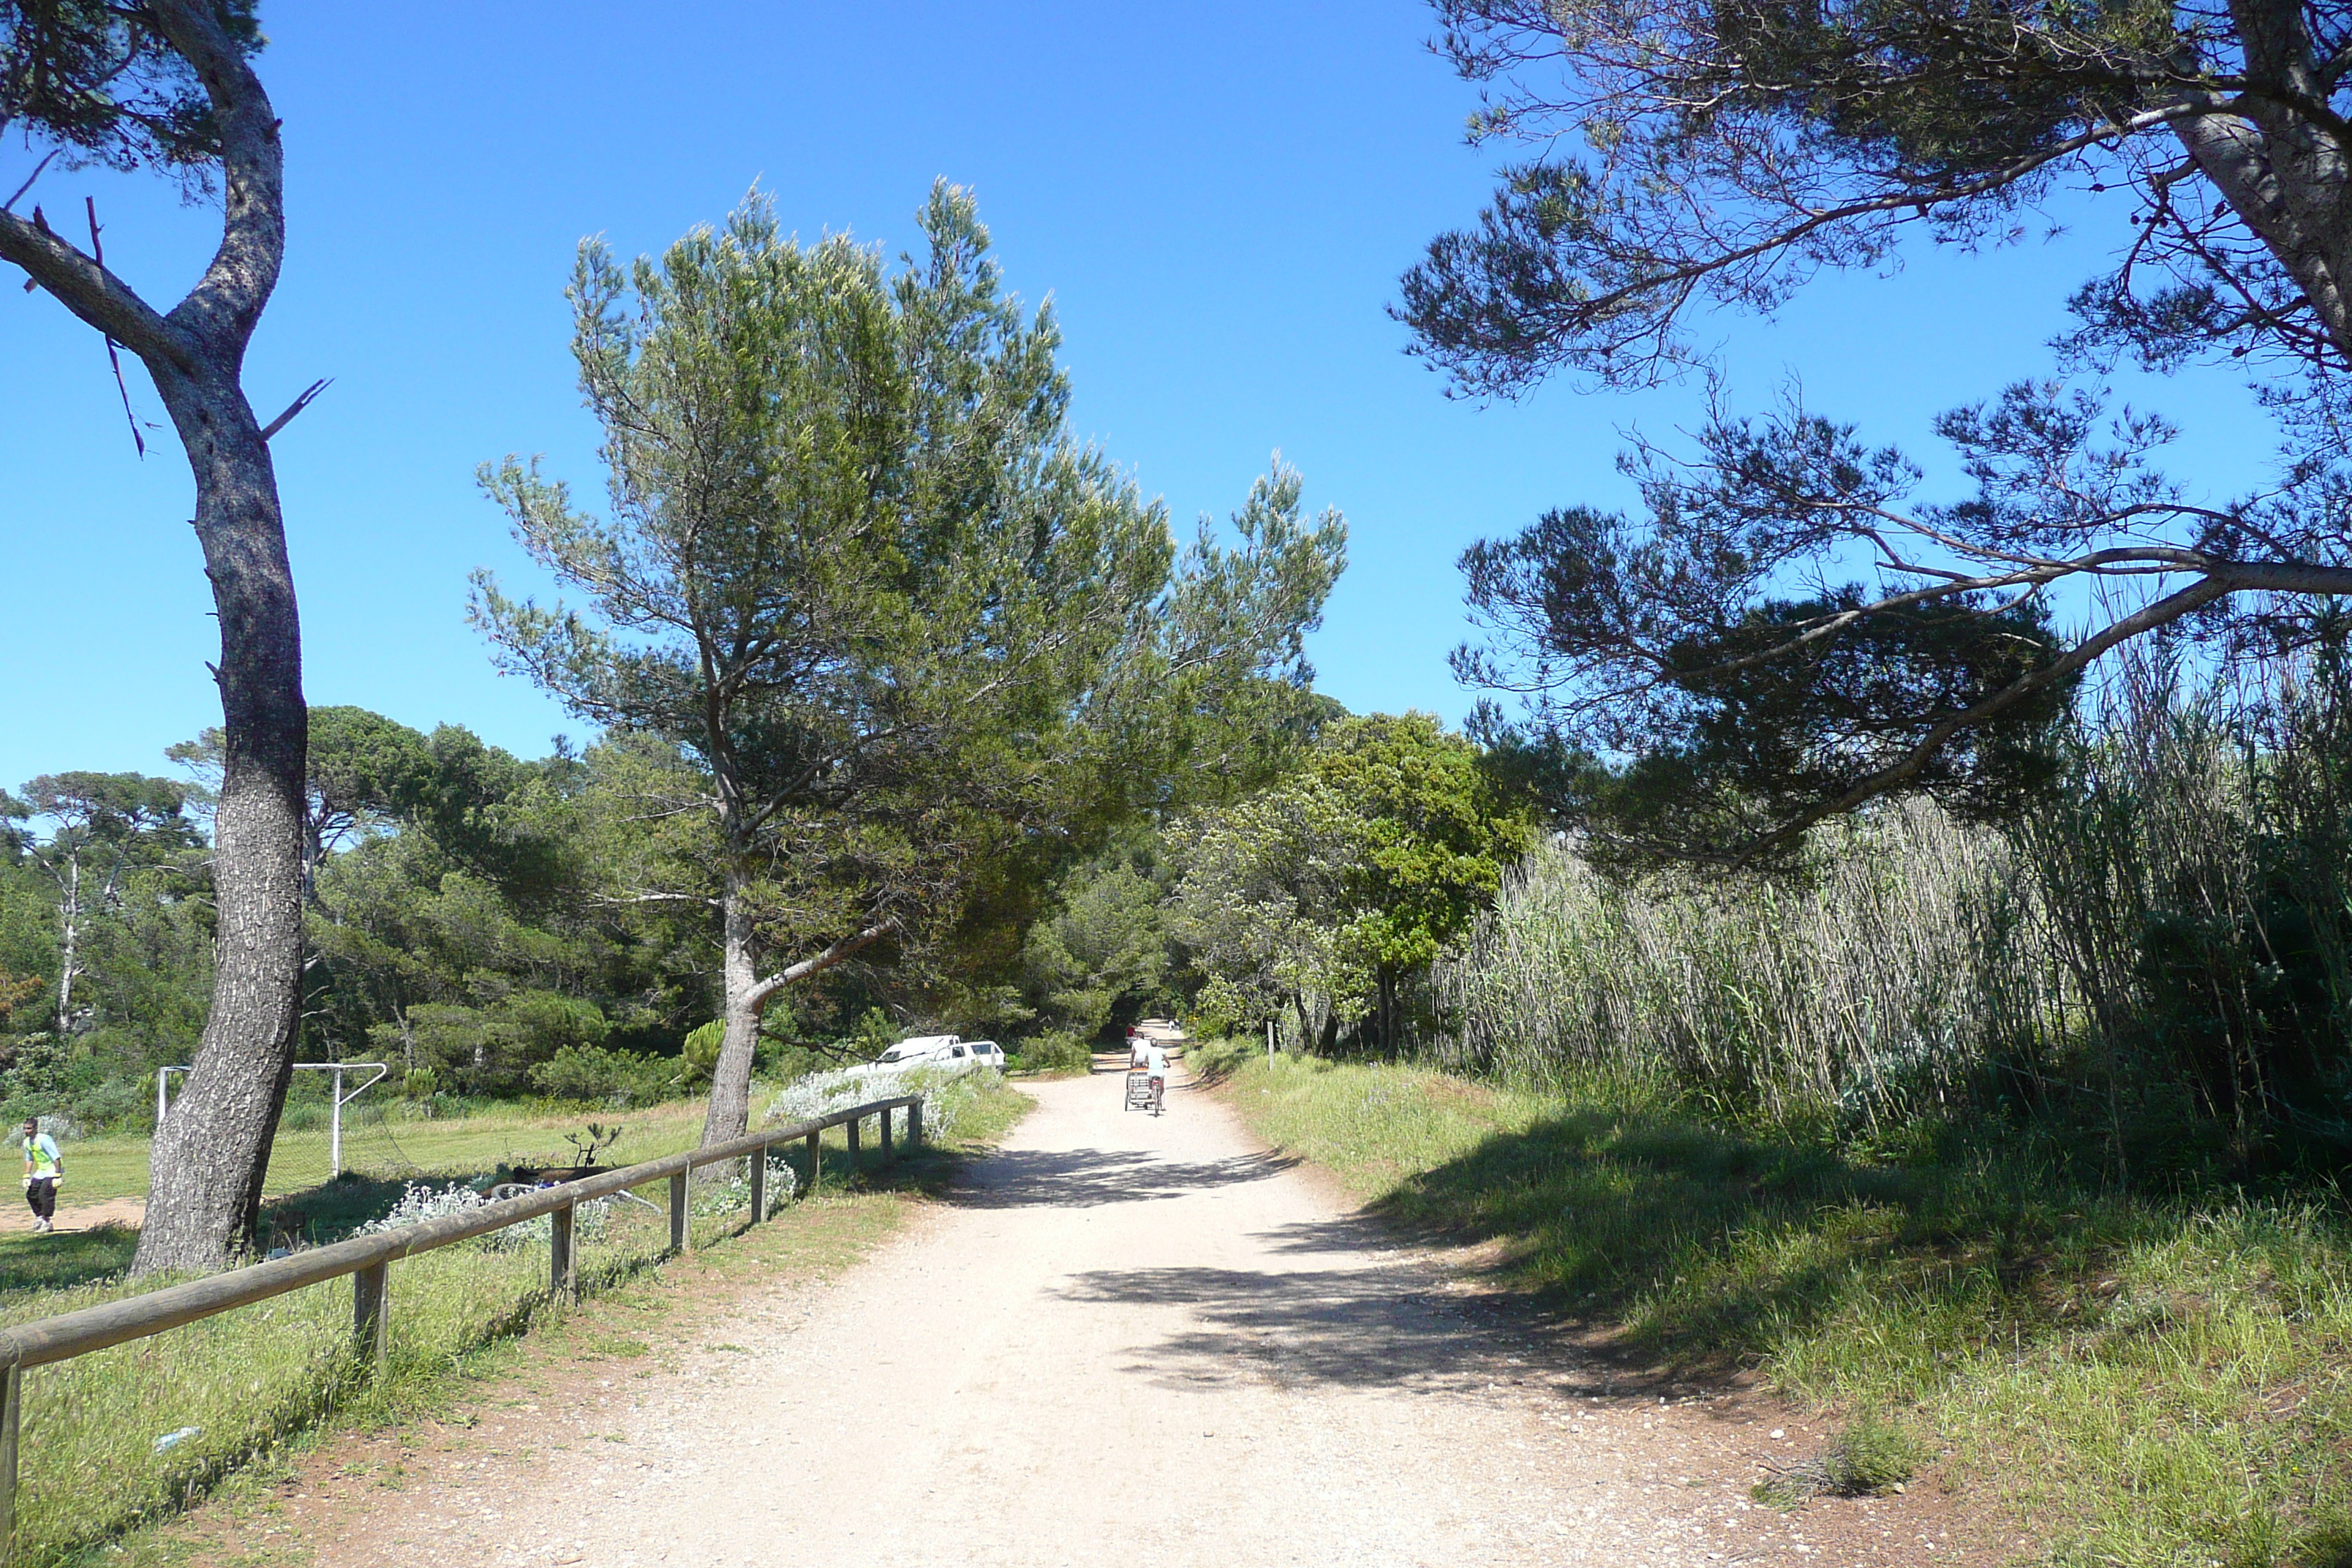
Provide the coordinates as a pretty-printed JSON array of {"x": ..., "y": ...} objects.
[
  {"x": 730, "y": 1114},
  {"x": 213, "y": 1150},
  {"x": 210, "y": 1154}
]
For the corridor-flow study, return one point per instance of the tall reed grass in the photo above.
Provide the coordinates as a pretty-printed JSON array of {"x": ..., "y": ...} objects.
[{"x": 2164, "y": 942}]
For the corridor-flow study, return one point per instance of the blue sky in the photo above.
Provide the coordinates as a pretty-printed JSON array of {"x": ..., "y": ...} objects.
[{"x": 1218, "y": 197}]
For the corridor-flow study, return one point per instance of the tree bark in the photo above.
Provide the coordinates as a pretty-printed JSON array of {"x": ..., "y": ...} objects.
[
  {"x": 70, "y": 939},
  {"x": 730, "y": 1081},
  {"x": 729, "y": 1112},
  {"x": 210, "y": 1154}
]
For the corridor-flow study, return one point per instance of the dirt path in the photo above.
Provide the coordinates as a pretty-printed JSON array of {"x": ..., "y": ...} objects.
[
  {"x": 15, "y": 1216},
  {"x": 1128, "y": 1340}
]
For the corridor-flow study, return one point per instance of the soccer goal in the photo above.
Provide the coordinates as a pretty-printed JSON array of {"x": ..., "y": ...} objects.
[{"x": 337, "y": 1100}]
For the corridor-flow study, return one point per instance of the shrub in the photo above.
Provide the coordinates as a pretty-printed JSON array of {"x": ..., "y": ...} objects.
[
  {"x": 599, "y": 1074},
  {"x": 1868, "y": 1458},
  {"x": 822, "y": 1094},
  {"x": 421, "y": 1201},
  {"x": 715, "y": 1198},
  {"x": 1057, "y": 1050},
  {"x": 701, "y": 1048}
]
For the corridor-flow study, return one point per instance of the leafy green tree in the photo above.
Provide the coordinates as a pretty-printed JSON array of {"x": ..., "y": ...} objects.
[
  {"x": 855, "y": 569},
  {"x": 1328, "y": 893},
  {"x": 1434, "y": 836},
  {"x": 169, "y": 85},
  {"x": 1105, "y": 951},
  {"x": 459, "y": 934},
  {"x": 102, "y": 820}
]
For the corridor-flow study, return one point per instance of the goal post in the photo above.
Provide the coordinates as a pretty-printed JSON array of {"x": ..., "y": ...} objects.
[{"x": 336, "y": 1099}]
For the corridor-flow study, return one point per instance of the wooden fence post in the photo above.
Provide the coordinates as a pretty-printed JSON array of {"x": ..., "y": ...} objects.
[
  {"x": 370, "y": 1315},
  {"x": 677, "y": 1216},
  {"x": 12, "y": 1408},
  {"x": 759, "y": 1183},
  {"x": 915, "y": 1122},
  {"x": 813, "y": 1160},
  {"x": 887, "y": 1111},
  {"x": 852, "y": 1125},
  {"x": 563, "y": 1268}
]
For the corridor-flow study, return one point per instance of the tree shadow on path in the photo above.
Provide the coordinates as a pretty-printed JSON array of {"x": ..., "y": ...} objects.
[
  {"x": 1089, "y": 1178},
  {"x": 1371, "y": 1316}
]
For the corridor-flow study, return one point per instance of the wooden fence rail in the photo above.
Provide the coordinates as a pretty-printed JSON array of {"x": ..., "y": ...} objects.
[{"x": 368, "y": 1260}]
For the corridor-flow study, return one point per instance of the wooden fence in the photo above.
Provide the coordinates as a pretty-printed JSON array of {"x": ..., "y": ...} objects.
[{"x": 368, "y": 1260}]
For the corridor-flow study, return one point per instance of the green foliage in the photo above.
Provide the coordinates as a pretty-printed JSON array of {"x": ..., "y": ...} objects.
[
  {"x": 103, "y": 83},
  {"x": 118, "y": 883},
  {"x": 701, "y": 1047},
  {"x": 1054, "y": 1051},
  {"x": 1869, "y": 1456},
  {"x": 2160, "y": 954},
  {"x": 1641, "y": 195},
  {"x": 492, "y": 1049},
  {"x": 891, "y": 616},
  {"x": 1325, "y": 894},
  {"x": 596, "y": 1075},
  {"x": 1104, "y": 951},
  {"x": 901, "y": 563}
]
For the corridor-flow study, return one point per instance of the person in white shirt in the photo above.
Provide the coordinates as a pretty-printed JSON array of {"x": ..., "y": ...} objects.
[{"x": 1155, "y": 1064}]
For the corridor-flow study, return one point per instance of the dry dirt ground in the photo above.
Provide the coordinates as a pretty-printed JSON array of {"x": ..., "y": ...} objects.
[
  {"x": 1122, "y": 1340},
  {"x": 16, "y": 1216}
]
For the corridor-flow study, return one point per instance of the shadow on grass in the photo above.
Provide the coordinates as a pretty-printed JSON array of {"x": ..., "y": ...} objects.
[
  {"x": 64, "y": 1259},
  {"x": 1713, "y": 1248}
]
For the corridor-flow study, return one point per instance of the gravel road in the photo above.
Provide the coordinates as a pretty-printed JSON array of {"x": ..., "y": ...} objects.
[{"x": 1125, "y": 1340}]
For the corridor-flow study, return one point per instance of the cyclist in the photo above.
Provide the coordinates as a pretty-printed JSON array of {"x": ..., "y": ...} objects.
[{"x": 1155, "y": 1064}]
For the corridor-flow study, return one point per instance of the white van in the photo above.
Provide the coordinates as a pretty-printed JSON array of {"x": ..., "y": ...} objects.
[{"x": 948, "y": 1053}]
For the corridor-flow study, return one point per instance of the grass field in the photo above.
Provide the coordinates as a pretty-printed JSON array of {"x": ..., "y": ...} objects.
[
  {"x": 116, "y": 1167},
  {"x": 117, "y": 1440},
  {"x": 2146, "y": 1384}
]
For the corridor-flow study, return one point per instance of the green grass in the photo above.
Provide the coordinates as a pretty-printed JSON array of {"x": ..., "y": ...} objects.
[
  {"x": 2151, "y": 1382},
  {"x": 116, "y": 1166},
  {"x": 249, "y": 1380}
]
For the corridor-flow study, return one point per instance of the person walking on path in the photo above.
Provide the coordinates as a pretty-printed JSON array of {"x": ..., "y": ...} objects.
[{"x": 45, "y": 1167}]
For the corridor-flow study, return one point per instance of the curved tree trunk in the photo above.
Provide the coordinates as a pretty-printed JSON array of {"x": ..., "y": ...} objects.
[{"x": 211, "y": 1152}]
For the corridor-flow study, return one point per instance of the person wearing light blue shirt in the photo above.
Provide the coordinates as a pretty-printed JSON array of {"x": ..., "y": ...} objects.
[{"x": 45, "y": 1167}]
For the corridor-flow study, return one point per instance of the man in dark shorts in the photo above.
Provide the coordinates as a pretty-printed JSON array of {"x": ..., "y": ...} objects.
[{"x": 45, "y": 1167}]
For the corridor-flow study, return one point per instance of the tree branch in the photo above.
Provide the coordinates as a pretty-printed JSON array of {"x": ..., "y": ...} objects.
[
  {"x": 91, "y": 293},
  {"x": 847, "y": 947},
  {"x": 226, "y": 301},
  {"x": 299, "y": 404},
  {"x": 2164, "y": 612}
]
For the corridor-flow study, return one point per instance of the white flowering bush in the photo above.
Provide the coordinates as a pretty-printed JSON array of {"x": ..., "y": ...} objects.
[
  {"x": 823, "y": 1093},
  {"x": 421, "y": 1201},
  {"x": 735, "y": 1192},
  {"x": 944, "y": 1094}
]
